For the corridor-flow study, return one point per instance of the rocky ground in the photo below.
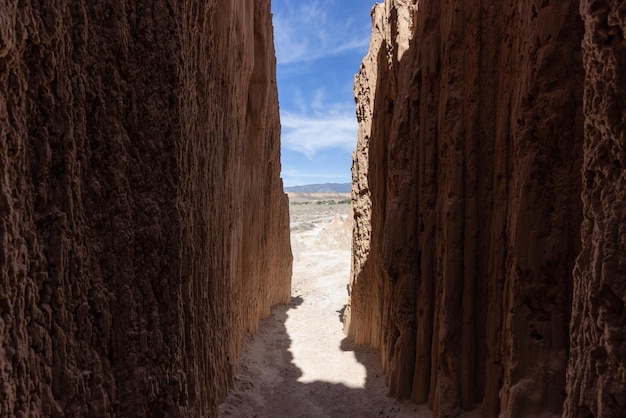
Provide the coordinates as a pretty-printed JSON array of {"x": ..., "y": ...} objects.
[{"x": 300, "y": 364}]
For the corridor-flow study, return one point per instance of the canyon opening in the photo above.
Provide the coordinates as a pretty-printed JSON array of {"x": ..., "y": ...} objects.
[{"x": 145, "y": 231}]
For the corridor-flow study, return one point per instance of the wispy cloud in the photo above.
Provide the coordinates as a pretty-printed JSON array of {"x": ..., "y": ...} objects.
[
  {"x": 319, "y": 126},
  {"x": 319, "y": 44},
  {"x": 293, "y": 173},
  {"x": 306, "y": 31}
]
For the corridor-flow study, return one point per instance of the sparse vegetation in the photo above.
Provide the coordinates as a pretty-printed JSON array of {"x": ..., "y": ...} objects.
[
  {"x": 303, "y": 226},
  {"x": 323, "y": 202},
  {"x": 306, "y": 211}
]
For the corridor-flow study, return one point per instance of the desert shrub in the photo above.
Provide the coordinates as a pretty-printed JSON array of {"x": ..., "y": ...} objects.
[{"x": 303, "y": 226}]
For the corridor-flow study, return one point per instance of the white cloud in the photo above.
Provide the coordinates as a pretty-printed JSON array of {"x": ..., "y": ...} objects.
[
  {"x": 306, "y": 31},
  {"x": 290, "y": 172},
  {"x": 321, "y": 128}
]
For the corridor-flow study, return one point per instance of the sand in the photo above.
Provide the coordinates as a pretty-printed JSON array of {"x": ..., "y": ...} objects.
[{"x": 299, "y": 363}]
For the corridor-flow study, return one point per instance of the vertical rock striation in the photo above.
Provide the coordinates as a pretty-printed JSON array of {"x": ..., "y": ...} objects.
[
  {"x": 596, "y": 373},
  {"x": 466, "y": 201},
  {"x": 143, "y": 226}
]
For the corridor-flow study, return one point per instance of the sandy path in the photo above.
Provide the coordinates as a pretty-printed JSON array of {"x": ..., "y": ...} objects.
[{"x": 300, "y": 364}]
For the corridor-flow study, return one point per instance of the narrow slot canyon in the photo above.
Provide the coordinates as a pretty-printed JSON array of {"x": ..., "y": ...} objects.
[
  {"x": 300, "y": 363},
  {"x": 152, "y": 265}
]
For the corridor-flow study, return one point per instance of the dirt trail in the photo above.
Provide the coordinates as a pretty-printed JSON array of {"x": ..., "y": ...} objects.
[{"x": 300, "y": 363}]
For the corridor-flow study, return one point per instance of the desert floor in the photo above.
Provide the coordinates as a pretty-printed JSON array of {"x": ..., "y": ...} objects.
[{"x": 299, "y": 363}]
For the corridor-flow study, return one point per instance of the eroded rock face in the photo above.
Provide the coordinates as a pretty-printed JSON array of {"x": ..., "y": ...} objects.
[
  {"x": 596, "y": 377},
  {"x": 467, "y": 201},
  {"x": 143, "y": 225}
]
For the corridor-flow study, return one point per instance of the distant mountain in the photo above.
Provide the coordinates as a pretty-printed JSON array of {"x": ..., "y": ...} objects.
[{"x": 321, "y": 188}]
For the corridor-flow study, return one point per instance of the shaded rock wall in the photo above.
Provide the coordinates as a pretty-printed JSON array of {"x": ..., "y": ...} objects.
[
  {"x": 596, "y": 373},
  {"x": 467, "y": 201},
  {"x": 143, "y": 225}
]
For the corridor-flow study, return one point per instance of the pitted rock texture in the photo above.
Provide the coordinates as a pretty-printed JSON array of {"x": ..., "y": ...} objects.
[
  {"x": 597, "y": 368},
  {"x": 467, "y": 201},
  {"x": 143, "y": 224}
]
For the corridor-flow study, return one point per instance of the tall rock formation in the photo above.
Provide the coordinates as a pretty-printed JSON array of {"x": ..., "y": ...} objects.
[
  {"x": 597, "y": 368},
  {"x": 467, "y": 201},
  {"x": 143, "y": 225}
]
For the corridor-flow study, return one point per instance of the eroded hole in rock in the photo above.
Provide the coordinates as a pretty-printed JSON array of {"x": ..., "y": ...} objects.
[{"x": 534, "y": 334}]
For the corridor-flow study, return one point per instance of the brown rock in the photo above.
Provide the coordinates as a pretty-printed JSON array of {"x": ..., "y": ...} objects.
[
  {"x": 143, "y": 225},
  {"x": 466, "y": 182},
  {"x": 596, "y": 372}
]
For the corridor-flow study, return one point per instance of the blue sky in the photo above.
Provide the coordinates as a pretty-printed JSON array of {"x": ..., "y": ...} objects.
[{"x": 319, "y": 48}]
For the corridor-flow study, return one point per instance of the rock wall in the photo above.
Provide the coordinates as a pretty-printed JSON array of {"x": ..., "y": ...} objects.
[
  {"x": 467, "y": 201},
  {"x": 596, "y": 373},
  {"x": 143, "y": 225}
]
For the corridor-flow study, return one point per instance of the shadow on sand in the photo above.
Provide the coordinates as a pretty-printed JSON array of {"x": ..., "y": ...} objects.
[{"x": 268, "y": 385}]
